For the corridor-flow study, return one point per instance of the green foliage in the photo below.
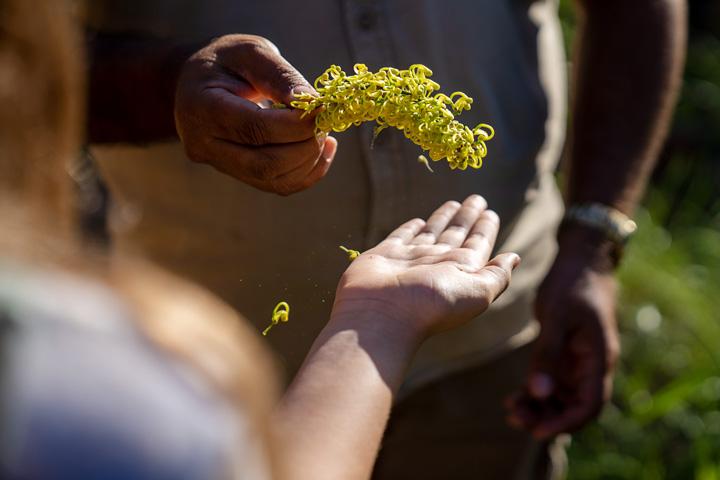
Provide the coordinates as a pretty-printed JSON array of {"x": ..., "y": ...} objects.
[
  {"x": 664, "y": 418},
  {"x": 567, "y": 18}
]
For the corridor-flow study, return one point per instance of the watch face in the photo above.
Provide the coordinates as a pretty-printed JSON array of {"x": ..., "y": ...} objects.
[
  {"x": 628, "y": 227},
  {"x": 623, "y": 225}
]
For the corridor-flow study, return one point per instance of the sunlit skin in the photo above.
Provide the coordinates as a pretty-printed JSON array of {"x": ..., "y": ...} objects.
[
  {"x": 424, "y": 278},
  {"x": 432, "y": 271}
]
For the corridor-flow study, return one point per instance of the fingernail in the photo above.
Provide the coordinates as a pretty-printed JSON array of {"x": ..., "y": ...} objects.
[
  {"x": 541, "y": 385},
  {"x": 328, "y": 149},
  {"x": 299, "y": 89},
  {"x": 516, "y": 261}
]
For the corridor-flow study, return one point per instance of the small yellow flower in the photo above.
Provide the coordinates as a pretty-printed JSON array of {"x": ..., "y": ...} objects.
[
  {"x": 423, "y": 159},
  {"x": 281, "y": 313},
  {"x": 352, "y": 254}
]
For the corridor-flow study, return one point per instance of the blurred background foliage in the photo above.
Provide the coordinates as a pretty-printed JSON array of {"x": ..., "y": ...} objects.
[{"x": 664, "y": 418}]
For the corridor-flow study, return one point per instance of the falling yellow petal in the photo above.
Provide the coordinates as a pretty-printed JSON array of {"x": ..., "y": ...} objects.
[
  {"x": 423, "y": 159},
  {"x": 281, "y": 313},
  {"x": 352, "y": 254}
]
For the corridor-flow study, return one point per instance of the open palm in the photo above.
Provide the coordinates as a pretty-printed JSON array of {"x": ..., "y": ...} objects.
[{"x": 435, "y": 275}]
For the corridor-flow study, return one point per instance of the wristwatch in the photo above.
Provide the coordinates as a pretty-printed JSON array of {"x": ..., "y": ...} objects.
[{"x": 612, "y": 223}]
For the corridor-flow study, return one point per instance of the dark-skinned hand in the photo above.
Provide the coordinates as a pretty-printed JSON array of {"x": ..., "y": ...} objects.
[
  {"x": 571, "y": 370},
  {"x": 221, "y": 122}
]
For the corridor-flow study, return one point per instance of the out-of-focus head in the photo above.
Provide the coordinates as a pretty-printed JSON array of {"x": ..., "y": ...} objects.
[{"x": 41, "y": 84}]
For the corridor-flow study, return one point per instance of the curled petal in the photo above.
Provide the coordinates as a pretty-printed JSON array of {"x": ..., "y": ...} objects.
[{"x": 402, "y": 99}]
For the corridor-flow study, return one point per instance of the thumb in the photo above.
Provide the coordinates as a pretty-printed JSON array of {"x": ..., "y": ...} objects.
[
  {"x": 495, "y": 276},
  {"x": 258, "y": 61}
]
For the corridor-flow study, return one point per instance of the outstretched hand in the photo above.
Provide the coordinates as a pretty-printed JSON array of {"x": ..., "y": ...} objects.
[
  {"x": 431, "y": 275},
  {"x": 424, "y": 278}
]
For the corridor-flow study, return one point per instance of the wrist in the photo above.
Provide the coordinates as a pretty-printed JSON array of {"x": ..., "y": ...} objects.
[
  {"x": 376, "y": 320},
  {"x": 389, "y": 343},
  {"x": 598, "y": 251},
  {"x": 599, "y": 230},
  {"x": 613, "y": 223}
]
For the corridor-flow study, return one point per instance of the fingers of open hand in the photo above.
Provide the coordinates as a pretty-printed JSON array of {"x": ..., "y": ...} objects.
[
  {"x": 494, "y": 278},
  {"x": 456, "y": 230},
  {"x": 448, "y": 225},
  {"x": 406, "y": 232},
  {"x": 483, "y": 234},
  {"x": 476, "y": 247},
  {"x": 436, "y": 224}
]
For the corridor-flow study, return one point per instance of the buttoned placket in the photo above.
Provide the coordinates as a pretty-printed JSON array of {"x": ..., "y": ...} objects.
[{"x": 370, "y": 43}]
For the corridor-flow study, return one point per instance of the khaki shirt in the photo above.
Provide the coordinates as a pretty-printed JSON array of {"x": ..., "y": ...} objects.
[{"x": 255, "y": 249}]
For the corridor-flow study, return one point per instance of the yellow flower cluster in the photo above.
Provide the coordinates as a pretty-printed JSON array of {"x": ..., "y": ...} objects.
[
  {"x": 403, "y": 99},
  {"x": 281, "y": 313}
]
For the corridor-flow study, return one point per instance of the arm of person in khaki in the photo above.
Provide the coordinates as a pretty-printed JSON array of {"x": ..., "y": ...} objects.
[
  {"x": 136, "y": 84},
  {"x": 424, "y": 278},
  {"x": 627, "y": 74}
]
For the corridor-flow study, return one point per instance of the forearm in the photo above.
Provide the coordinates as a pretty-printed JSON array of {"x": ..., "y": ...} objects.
[
  {"x": 627, "y": 74},
  {"x": 132, "y": 82},
  {"x": 332, "y": 419}
]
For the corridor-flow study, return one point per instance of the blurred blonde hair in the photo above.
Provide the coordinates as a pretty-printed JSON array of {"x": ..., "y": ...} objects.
[
  {"x": 41, "y": 116},
  {"x": 41, "y": 94}
]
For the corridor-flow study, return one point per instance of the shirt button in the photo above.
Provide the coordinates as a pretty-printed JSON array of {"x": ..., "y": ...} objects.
[{"x": 367, "y": 20}]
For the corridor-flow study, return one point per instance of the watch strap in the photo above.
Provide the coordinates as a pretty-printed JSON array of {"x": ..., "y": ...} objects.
[{"x": 614, "y": 224}]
